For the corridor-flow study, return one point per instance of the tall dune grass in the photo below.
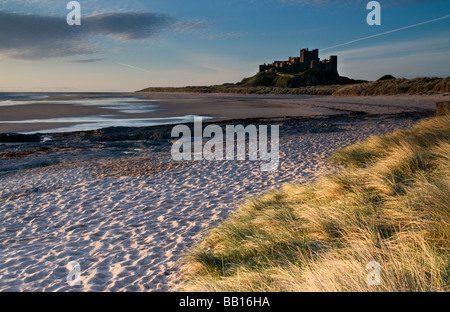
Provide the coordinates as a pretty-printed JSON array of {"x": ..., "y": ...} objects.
[{"x": 390, "y": 203}]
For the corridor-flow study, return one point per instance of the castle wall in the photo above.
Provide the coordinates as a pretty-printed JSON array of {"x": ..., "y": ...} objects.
[{"x": 308, "y": 60}]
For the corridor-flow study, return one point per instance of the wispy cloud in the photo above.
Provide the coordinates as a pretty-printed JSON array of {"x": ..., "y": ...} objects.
[
  {"x": 127, "y": 26},
  {"x": 399, "y": 48},
  {"x": 33, "y": 37},
  {"x": 194, "y": 25},
  {"x": 133, "y": 67},
  {"x": 93, "y": 60},
  {"x": 230, "y": 35},
  {"x": 387, "y": 32},
  {"x": 400, "y": 58}
]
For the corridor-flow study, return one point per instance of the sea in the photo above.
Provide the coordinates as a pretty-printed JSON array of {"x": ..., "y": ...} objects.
[{"x": 123, "y": 111}]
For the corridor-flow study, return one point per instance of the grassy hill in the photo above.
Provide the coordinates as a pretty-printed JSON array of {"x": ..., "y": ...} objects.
[
  {"x": 309, "y": 82},
  {"x": 296, "y": 80},
  {"x": 389, "y": 203}
]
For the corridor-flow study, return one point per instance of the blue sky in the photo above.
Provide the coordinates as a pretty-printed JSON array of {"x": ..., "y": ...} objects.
[{"x": 129, "y": 45}]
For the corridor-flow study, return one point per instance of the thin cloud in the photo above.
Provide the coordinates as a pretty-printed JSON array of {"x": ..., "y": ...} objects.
[
  {"x": 133, "y": 67},
  {"x": 398, "y": 48},
  {"x": 127, "y": 26},
  {"x": 386, "y": 32},
  {"x": 194, "y": 25},
  {"x": 94, "y": 60},
  {"x": 396, "y": 57},
  {"x": 231, "y": 35}
]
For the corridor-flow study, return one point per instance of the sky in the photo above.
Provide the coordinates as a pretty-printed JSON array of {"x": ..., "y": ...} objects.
[{"x": 131, "y": 45}]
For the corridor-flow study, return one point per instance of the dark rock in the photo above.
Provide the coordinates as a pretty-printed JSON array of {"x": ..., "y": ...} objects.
[
  {"x": 19, "y": 138},
  {"x": 386, "y": 77}
]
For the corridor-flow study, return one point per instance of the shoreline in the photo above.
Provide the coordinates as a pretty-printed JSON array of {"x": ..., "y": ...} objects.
[{"x": 218, "y": 107}]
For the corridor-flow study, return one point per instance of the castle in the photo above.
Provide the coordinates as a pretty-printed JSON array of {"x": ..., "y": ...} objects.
[{"x": 308, "y": 60}]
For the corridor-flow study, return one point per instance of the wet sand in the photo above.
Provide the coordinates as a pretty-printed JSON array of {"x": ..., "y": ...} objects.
[
  {"x": 232, "y": 106},
  {"x": 218, "y": 106}
]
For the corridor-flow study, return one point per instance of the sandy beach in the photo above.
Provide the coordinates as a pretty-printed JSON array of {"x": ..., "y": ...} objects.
[
  {"x": 232, "y": 106},
  {"x": 128, "y": 214}
]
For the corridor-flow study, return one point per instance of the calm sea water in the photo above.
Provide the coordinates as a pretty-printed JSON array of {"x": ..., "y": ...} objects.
[{"x": 122, "y": 107}]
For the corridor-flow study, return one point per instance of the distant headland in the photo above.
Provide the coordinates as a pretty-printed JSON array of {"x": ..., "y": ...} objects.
[{"x": 308, "y": 74}]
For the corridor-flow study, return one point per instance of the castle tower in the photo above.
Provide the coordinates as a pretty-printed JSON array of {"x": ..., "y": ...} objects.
[
  {"x": 334, "y": 63},
  {"x": 314, "y": 55},
  {"x": 307, "y": 56},
  {"x": 303, "y": 55}
]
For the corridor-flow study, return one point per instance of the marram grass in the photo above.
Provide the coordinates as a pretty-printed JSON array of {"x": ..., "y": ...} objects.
[{"x": 389, "y": 203}]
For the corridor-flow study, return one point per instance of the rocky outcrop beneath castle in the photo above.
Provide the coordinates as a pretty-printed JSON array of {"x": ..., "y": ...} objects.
[{"x": 304, "y": 79}]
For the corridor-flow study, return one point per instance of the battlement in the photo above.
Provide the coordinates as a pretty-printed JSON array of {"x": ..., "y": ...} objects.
[{"x": 308, "y": 60}]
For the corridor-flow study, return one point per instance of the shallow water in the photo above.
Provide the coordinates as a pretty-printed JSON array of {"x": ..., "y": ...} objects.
[{"x": 123, "y": 108}]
